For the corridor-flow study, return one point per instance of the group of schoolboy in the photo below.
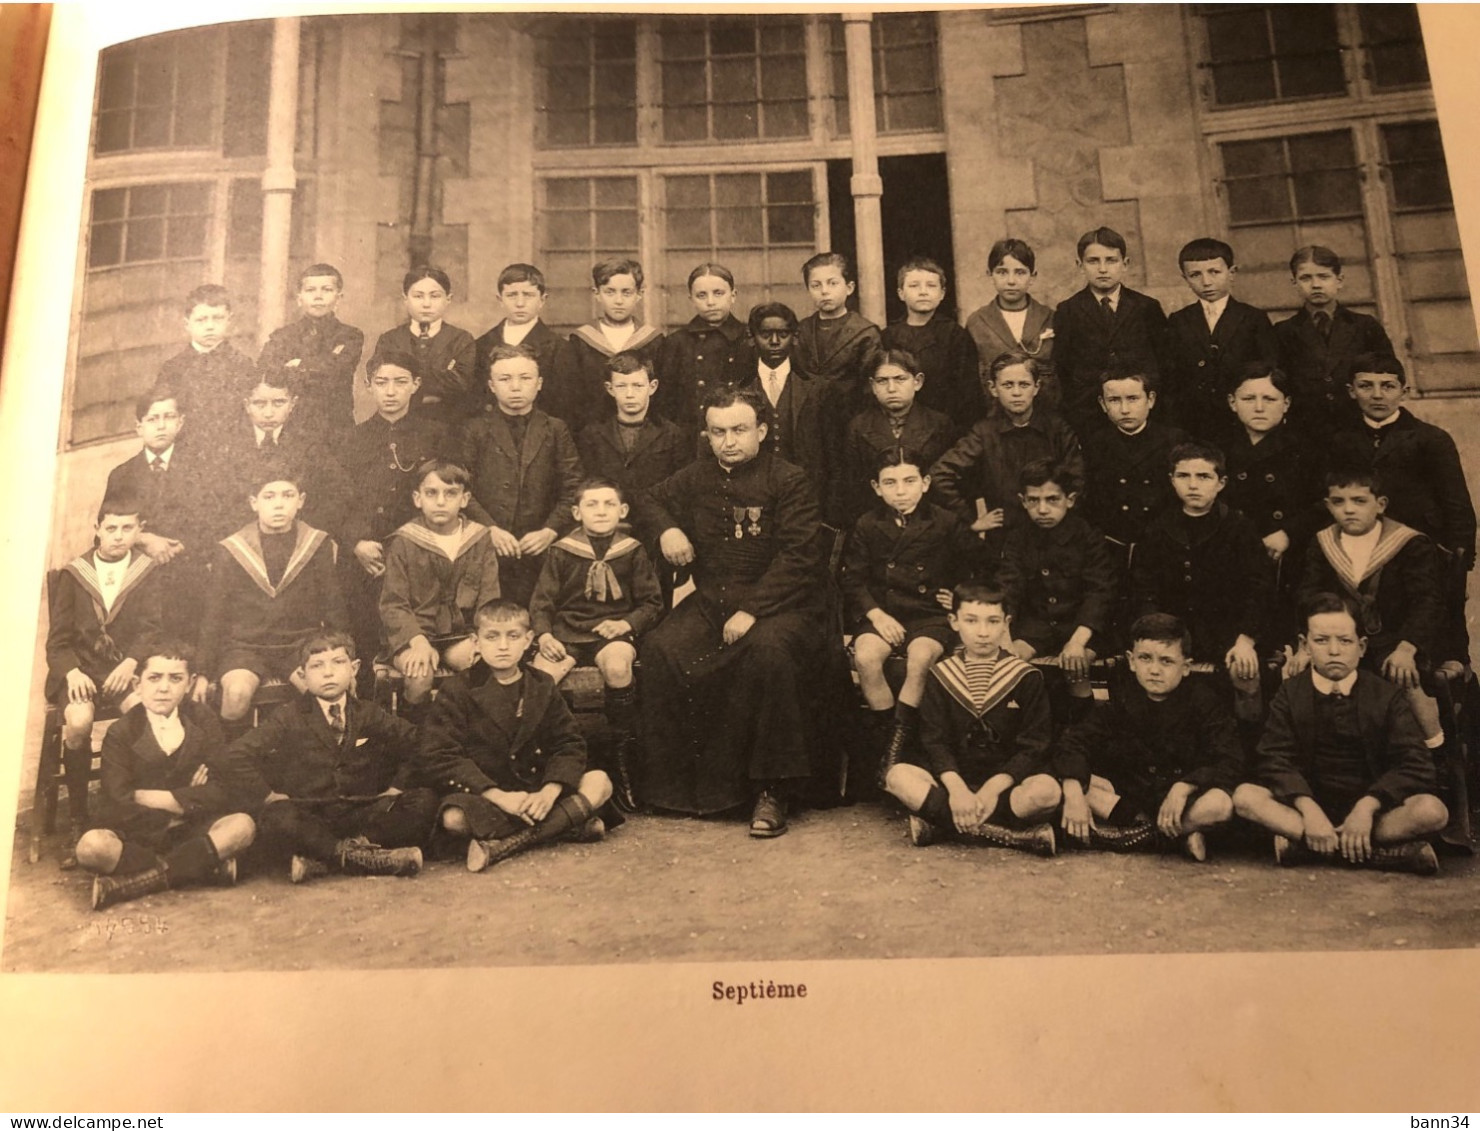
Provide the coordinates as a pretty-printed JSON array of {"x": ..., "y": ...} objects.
[{"x": 1008, "y": 503}]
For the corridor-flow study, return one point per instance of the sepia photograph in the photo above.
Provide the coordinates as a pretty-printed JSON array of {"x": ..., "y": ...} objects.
[{"x": 744, "y": 497}]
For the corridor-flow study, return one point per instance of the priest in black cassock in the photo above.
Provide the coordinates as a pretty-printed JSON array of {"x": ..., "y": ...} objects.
[{"x": 725, "y": 683}]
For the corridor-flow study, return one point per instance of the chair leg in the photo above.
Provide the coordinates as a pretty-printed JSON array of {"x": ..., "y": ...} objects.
[{"x": 48, "y": 783}]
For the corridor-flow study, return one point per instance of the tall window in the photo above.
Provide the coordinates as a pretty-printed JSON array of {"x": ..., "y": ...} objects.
[
  {"x": 733, "y": 77},
  {"x": 583, "y": 219},
  {"x": 759, "y": 225},
  {"x": 159, "y": 93},
  {"x": 589, "y": 77},
  {"x": 1393, "y": 42},
  {"x": 149, "y": 224},
  {"x": 906, "y": 73}
]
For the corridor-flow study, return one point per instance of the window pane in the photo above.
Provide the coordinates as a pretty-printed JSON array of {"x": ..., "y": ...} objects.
[
  {"x": 588, "y": 82},
  {"x": 1394, "y": 42},
  {"x": 615, "y": 192},
  {"x": 683, "y": 83},
  {"x": 687, "y": 192},
  {"x": 1246, "y": 158},
  {"x": 567, "y": 229},
  {"x": 113, "y": 127},
  {"x": 145, "y": 240},
  {"x": 688, "y": 228},
  {"x": 1269, "y": 54},
  {"x": 1416, "y": 167},
  {"x": 148, "y": 200},
  {"x": 783, "y": 77},
  {"x": 571, "y": 193},
  {"x": 612, "y": 41},
  {"x": 737, "y": 189},
  {"x": 107, "y": 204},
  {"x": 786, "y": 119},
  {"x": 735, "y": 122},
  {"x": 781, "y": 187},
  {"x": 680, "y": 124},
  {"x": 682, "y": 44},
  {"x": 116, "y": 82},
  {"x": 151, "y": 128},
  {"x": 1238, "y": 36},
  {"x": 734, "y": 80},
  {"x": 1243, "y": 82},
  {"x": 105, "y": 245},
  {"x": 187, "y": 237},
  {"x": 791, "y": 224},
  {"x": 1328, "y": 194},
  {"x": 732, "y": 37},
  {"x": 1310, "y": 76},
  {"x": 739, "y": 227},
  {"x": 913, "y": 112},
  {"x": 616, "y": 229},
  {"x": 780, "y": 37},
  {"x": 190, "y": 197},
  {"x": 1322, "y": 151},
  {"x": 566, "y": 128},
  {"x": 1258, "y": 198}
]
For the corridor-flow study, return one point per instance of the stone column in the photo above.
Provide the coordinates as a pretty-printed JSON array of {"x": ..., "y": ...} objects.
[
  {"x": 866, "y": 185},
  {"x": 280, "y": 179}
]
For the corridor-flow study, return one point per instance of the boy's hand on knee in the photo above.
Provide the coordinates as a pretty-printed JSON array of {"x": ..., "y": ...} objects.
[
  {"x": 966, "y": 808},
  {"x": 117, "y": 682},
  {"x": 1320, "y": 835},
  {"x": 887, "y": 627},
  {"x": 1241, "y": 660},
  {"x": 676, "y": 547},
  {"x": 369, "y": 555},
  {"x": 1075, "y": 659},
  {"x": 508, "y": 801},
  {"x": 1169, "y": 816},
  {"x": 1401, "y": 666},
  {"x": 1076, "y": 819},
  {"x": 536, "y": 542},
  {"x": 537, "y": 806},
  {"x": 1355, "y": 833},
  {"x": 199, "y": 689},
  {"x": 80, "y": 687},
  {"x": 612, "y": 629},
  {"x": 419, "y": 660},
  {"x": 551, "y": 649},
  {"x": 1296, "y": 661},
  {"x": 505, "y": 545},
  {"x": 737, "y": 626},
  {"x": 1276, "y": 544}
]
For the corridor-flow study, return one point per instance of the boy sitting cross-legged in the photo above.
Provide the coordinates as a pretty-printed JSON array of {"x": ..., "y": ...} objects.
[
  {"x": 984, "y": 735},
  {"x": 1161, "y": 756},
  {"x": 172, "y": 800},
  {"x": 440, "y": 568},
  {"x": 901, "y": 562},
  {"x": 1342, "y": 745},
  {"x": 596, "y": 595},
  {"x": 502, "y": 748},
  {"x": 335, "y": 772}
]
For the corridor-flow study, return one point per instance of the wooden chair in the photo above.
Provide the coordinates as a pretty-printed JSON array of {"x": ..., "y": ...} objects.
[{"x": 51, "y": 777}]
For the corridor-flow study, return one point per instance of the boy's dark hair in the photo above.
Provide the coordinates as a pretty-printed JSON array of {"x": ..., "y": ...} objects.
[
  {"x": 1319, "y": 604},
  {"x": 727, "y": 396},
  {"x": 897, "y": 456},
  {"x": 399, "y": 358},
  {"x": 325, "y": 641},
  {"x": 921, "y": 263},
  {"x": 627, "y": 362},
  {"x": 1360, "y": 475},
  {"x": 718, "y": 270},
  {"x": 500, "y": 609},
  {"x": 1205, "y": 248},
  {"x": 276, "y": 471},
  {"x": 763, "y": 310},
  {"x": 882, "y": 357},
  {"x": 1008, "y": 360},
  {"x": 453, "y": 474},
  {"x": 505, "y": 352},
  {"x": 1126, "y": 371},
  {"x": 1105, "y": 237},
  {"x": 1315, "y": 253},
  {"x": 1013, "y": 248},
  {"x": 521, "y": 273},
  {"x": 1164, "y": 629},
  {"x": 426, "y": 271},
  {"x": 315, "y": 270},
  {"x": 166, "y": 648},
  {"x": 829, "y": 259},
  {"x": 121, "y": 505},
  {"x": 161, "y": 392},
  {"x": 274, "y": 377},
  {"x": 980, "y": 593},
  {"x": 608, "y": 269},
  {"x": 598, "y": 483},
  {"x": 1381, "y": 363},
  {"x": 1259, "y": 371},
  {"x": 1196, "y": 449},
  {"x": 207, "y": 294},
  {"x": 1036, "y": 473}
]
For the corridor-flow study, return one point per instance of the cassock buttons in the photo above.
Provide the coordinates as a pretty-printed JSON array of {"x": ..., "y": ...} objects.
[
  {"x": 1241, "y": 476},
  {"x": 1279, "y": 514},
  {"x": 1269, "y": 477}
]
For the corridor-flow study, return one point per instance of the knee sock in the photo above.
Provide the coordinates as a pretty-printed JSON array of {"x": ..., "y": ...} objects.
[
  {"x": 621, "y": 709},
  {"x": 76, "y": 766},
  {"x": 192, "y": 861},
  {"x": 568, "y": 814},
  {"x": 134, "y": 858},
  {"x": 936, "y": 808}
]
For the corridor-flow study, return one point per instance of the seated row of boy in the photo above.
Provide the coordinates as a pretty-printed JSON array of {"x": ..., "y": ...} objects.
[
  {"x": 331, "y": 782},
  {"x": 1340, "y": 769}
]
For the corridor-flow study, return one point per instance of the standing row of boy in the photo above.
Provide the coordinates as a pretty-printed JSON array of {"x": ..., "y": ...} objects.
[{"x": 454, "y": 501}]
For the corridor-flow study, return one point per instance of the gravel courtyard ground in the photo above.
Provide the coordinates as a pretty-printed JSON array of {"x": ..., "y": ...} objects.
[{"x": 842, "y": 884}]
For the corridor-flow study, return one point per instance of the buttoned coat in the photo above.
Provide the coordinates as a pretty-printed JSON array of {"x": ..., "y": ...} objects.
[
  {"x": 695, "y": 360},
  {"x": 425, "y": 593},
  {"x": 584, "y": 398},
  {"x": 1086, "y": 344},
  {"x": 81, "y": 634},
  {"x": 381, "y": 460},
  {"x": 1128, "y": 480},
  {"x": 948, "y": 357},
  {"x": 552, "y": 354},
  {"x": 321, "y": 355},
  {"x": 901, "y": 567},
  {"x": 528, "y": 487},
  {"x": 1058, "y": 579},
  {"x": 925, "y": 432},
  {"x": 209, "y": 387},
  {"x": 446, "y": 364},
  {"x": 994, "y": 337},
  {"x": 1319, "y": 366},
  {"x": 1010, "y": 737},
  {"x": 1202, "y": 365}
]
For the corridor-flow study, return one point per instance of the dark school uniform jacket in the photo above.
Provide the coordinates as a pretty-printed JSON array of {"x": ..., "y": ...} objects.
[
  {"x": 1392, "y": 758},
  {"x": 446, "y": 364},
  {"x": 1399, "y": 596},
  {"x": 994, "y": 337},
  {"x": 550, "y": 351},
  {"x": 1422, "y": 477},
  {"x": 380, "y": 460},
  {"x": 1086, "y": 343},
  {"x": 1009, "y": 735},
  {"x": 132, "y": 759},
  {"x": 524, "y": 487},
  {"x": 1274, "y": 483},
  {"x": 577, "y": 590},
  {"x": 467, "y": 746},
  {"x": 948, "y": 357},
  {"x": 323, "y": 355},
  {"x": 799, "y": 432},
  {"x": 924, "y": 431},
  {"x": 1218, "y": 580},
  {"x": 1127, "y": 480},
  {"x": 834, "y": 351},
  {"x": 240, "y": 459},
  {"x": 584, "y": 398},
  {"x": 82, "y": 634},
  {"x": 1144, "y": 747},
  {"x": 296, "y": 752},
  {"x": 210, "y": 387},
  {"x": 1318, "y": 366},
  {"x": 244, "y": 609},
  {"x": 426, "y": 593},
  {"x": 659, "y": 448},
  {"x": 1200, "y": 366},
  {"x": 178, "y": 502},
  {"x": 755, "y": 531},
  {"x": 1058, "y": 579},
  {"x": 984, "y": 464},
  {"x": 899, "y": 562},
  {"x": 696, "y": 359}
]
